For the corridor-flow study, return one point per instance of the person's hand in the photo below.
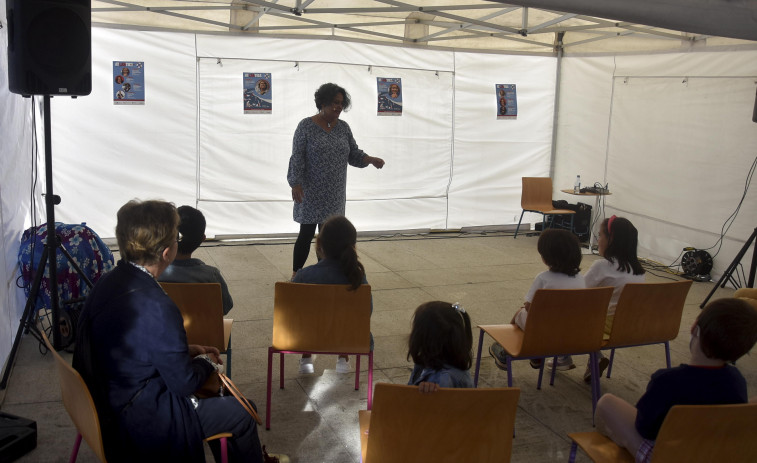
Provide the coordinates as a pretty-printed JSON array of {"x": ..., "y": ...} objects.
[
  {"x": 426, "y": 387},
  {"x": 195, "y": 350},
  {"x": 297, "y": 193},
  {"x": 378, "y": 163},
  {"x": 213, "y": 354}
]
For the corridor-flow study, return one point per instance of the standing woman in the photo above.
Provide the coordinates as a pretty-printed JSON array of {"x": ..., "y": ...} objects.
[{"x": 323, "y": 146}]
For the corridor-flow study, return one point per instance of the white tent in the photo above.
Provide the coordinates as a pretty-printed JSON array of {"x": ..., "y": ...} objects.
[{"x": 664, "y": 117}]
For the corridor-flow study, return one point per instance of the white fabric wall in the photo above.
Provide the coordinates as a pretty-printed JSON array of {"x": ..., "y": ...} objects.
[
  {"x": 672, "y": 135},
  {"x": 191, "y": 142},
  {"x": 16, "y": 160}
]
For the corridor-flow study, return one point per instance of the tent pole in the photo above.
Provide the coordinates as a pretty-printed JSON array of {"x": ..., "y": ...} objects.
[{"x": 558, "y": 76}]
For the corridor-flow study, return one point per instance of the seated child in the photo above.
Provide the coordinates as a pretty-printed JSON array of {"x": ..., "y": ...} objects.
[
  {"x": 560, "y": 250},
  {"x": 724, "y": 331},
  {"x": 617, "y": 243},
  {"x": 339, "y": 265},
  {"x": 440, "y": 345},
  {"x": 185, "y": 268}
]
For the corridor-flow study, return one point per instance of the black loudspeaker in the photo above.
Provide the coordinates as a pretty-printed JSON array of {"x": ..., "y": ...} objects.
[{"x": 49, "y": 47}]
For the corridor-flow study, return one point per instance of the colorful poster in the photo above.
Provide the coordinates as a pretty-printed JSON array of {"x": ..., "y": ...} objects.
[
  {"x": 256, "y": 93},
  {"x": 128, "y": 82},
  {"x": 389, "y": 96},
  {"x": 507, "y": 101}
]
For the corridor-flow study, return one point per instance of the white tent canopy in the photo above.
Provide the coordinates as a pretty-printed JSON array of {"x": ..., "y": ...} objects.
[{"x": 664, "y": 117}]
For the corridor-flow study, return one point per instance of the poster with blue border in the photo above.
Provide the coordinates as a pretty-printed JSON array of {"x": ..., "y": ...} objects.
[
  {"x": 128, "y": 82},
  {"x": 507, "y": 101},
  {"x": 257, "y": 97},
  {"x": 389, "y": 100}
]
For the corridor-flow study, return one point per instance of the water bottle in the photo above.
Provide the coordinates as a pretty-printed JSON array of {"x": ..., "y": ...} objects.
[{"x": 577, "y": 185}]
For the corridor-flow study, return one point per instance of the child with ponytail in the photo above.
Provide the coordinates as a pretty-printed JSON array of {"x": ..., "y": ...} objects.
[{"x": 339, "y": 264}]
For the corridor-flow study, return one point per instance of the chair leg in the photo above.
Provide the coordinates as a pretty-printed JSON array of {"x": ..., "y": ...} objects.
[
  {"x": 370, "y": 380},
  {"x": 519, "y": 221},
  {"x": 609, "y": 367},
  {"x": 572, "y": 229},
  {"x": 281, "y": 370},
  {"x": 509, "y": 371},
  {"x": 357, "y": 372},
  {"x": 573, "y": 449},
  {"x": 554, "y": 370},
  {"x": 268, "y": 389},
  {"x": 541, "y": 373},
  {"x": 224, "y": 450},
  {"x": 478, "y": 357},
  {"x": 228, "y": 358},
  {"x": 75, "y": 450},
  {"x": 667, "y": 353},
  {"x": 595, "y": 387}
]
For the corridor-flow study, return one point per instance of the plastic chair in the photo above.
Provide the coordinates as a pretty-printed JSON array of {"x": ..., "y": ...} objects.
[
  {"x": 320, "y": 319},
  {"x": 690, "y": 433},
  {"x": 647, "y": 313},
  {"x": 536, "y": 196},
  {"x": 560, "y": 322},
  {"x": 450, "y": 425},
  {"x": 81, "y": 408},
  {"x": 201, "y": 306}
]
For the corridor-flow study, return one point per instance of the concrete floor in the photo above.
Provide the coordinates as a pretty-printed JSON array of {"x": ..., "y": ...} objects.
[{"x": 315, "y": 419}]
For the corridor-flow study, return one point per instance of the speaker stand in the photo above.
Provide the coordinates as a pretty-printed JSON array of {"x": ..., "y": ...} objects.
[
  {"x": 728, "y": 274},
  {"x": 48, "y": 259}
]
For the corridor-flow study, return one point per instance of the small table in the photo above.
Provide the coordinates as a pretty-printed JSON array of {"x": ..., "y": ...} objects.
[{"x": 594, "y": 213}]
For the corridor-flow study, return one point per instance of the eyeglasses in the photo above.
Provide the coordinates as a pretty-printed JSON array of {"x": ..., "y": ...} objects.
[{"x": 179, "y": 237}]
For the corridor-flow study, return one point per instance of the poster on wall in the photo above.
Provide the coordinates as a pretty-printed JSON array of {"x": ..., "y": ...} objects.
[
  {"x": 389, "y": 96},
  {"x": 128, "y": 82},
  {"x": 507, "y": 101},
  {"x": 256, "y": 93}
]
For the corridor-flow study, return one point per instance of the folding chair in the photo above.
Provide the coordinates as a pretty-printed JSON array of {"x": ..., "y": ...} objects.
[
  {"x": 201, "y": 306},
  {"x": 320, "y": 319},
  {"x": 536, "y": 196},
  {"x": 647, "y": 313},
  {"x": 81, "y": 408},
  {"x": 560, "y": 322},
  {"x": 449, "y": 425},
  {"x": 690, "y": 433}
]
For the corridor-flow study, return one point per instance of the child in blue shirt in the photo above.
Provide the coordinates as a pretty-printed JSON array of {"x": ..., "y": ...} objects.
[{"x": 440, "y": 345}]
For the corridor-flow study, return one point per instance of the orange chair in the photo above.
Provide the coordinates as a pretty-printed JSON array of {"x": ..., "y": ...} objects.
[
  {"x": 81, "y": 408},
  {"x": 560, "y": 322},
  {"x": 647, "y": 313},
  {"x": 536, "y": 196},
  {"x": 450, "y": 425},
  {"x": 690, "y": 433},
  {"x": 201, "y": 306},
  {"x": 320, "y": 319}
]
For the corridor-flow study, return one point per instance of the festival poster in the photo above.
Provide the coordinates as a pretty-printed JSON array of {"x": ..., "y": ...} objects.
[
  {"x": 389, "y": 96},
  {"x": 507, "y": 101},
  {"x": 256, "y": 93},
  {"x": 128, "y": 82}
]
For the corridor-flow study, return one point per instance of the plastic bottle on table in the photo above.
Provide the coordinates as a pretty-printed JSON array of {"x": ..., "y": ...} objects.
[{"x": 577, "y": 185}]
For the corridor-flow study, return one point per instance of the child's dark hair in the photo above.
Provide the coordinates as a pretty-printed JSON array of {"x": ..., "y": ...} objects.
[
  {"x": 727, "y": 329},
  {"x": 192, "y": 229},
  {"x": 337, "y": 239},
  {"x": 326, "y": 93},
  {"x": 622, "y": 240},
  {"x": 441, "y": 334},
  {"x": 560, "y": 250}
]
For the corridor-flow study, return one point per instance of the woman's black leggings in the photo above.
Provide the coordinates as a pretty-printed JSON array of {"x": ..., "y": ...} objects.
[{"x": 302, "y": 245}]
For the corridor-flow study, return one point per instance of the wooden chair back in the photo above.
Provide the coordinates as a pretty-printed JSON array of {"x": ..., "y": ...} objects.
[
  {"x": 690, "y": 433},
  {"x": 321, "y": 318},
  {"x": 565, "y": 321},
  {"x": 78, "y": 402},
  {"x": 450, "y": 425},
  {"x": 536, "y": 194},
  {"x": 707, "y": 433},
  {"x": 648, "y": 313},
  {"x": 201, "y": 306}
]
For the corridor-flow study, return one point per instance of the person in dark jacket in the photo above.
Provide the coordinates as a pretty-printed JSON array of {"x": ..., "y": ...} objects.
[{"x": 132, "y": 352}]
